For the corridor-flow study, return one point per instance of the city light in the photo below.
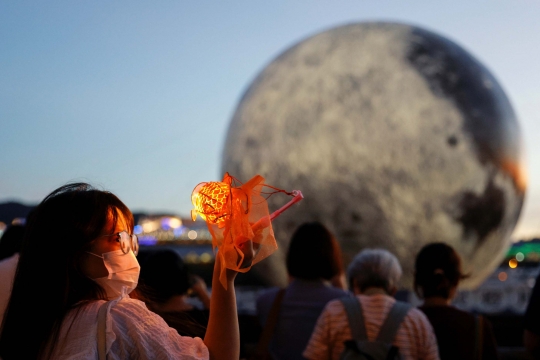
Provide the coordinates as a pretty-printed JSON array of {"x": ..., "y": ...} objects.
[
  {"x": 191, "y": 257},
  {"x": 175, "y": 223},
  {"x": 503, "y": 276},
  {"x": 192, "y": 234},
  {"x": 137, "y": 229},
  {"x": 513, "y": 263},
  {"x": 520, "y": 257},
  {"x": 205, "y": 257},
  {"x": 149, "y": 226}
]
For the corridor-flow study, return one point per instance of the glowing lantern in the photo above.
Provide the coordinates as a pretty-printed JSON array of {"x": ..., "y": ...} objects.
[
  {"x": 238, "y": 219},
  {"x": 210, "y": 201}
]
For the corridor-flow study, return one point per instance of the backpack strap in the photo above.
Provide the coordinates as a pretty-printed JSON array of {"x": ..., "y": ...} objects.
[
  {"x": 356, "y": 318},
  {"x": 395, "y": 317}
]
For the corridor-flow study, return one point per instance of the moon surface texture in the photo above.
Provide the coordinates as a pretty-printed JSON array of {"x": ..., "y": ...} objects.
[{"x": 396, "y": 136}]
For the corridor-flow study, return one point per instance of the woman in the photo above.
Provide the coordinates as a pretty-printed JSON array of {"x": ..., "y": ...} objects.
[
  {"x": 313, "y": 264},
  {"x": 165, "y": 283},
  {"x": 78, "y": 255},
  {"x": 460, "y": 335}
]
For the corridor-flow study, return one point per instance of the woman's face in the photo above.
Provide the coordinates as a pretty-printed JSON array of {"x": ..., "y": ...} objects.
[{"x": 93, "y": 266}]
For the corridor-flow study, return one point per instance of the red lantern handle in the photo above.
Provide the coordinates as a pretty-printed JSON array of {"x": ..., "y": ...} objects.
[
  {"x": 265, "y": 221},
  {"x": 297, "y": 197}
]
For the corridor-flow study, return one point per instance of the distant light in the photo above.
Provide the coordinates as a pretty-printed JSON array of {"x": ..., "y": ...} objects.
[
  {"x": 192, "y": 234},
  {"x": 179, "y": 230},
  {"x": 137, "y": 229},
  {"x": 513, "y": 263},
  {"x": 205, "y": 257},
  {"x": 531, "y": 282},
  {"x": 147, "y": 240},
  {"x": 18, "y": 221},
  {"x": 520, "y": 257},
  {"x": 165, "y": 223},
  {"x": 175, "y": 223},
  {"x": 191, "y": 257},
  {"x": 503, "y": 276},
  {"x": 150, "y": 226}
]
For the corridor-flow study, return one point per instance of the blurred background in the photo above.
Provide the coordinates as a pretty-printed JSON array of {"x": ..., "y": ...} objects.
[{"x": 137, "y": 97}]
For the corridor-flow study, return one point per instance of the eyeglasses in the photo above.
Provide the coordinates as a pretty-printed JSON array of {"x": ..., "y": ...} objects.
[{"x": 127, "y": 242}]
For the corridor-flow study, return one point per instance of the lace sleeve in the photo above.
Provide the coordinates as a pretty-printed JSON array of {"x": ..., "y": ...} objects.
[{"x": 136, "y": 332}]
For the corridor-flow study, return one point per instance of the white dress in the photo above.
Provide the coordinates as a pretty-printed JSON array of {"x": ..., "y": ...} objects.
[{"x": 133, "y": 332}]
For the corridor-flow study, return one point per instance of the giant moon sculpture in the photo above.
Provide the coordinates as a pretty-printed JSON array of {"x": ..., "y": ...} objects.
[{"x": 396, "y": 136}]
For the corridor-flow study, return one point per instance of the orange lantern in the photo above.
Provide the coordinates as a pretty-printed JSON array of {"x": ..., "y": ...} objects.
[
  {"x": 210, "y": 200},
  {"x": 237, "y": 216}
]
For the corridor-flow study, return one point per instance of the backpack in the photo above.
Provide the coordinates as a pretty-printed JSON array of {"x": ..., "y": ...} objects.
[{"x": 360, "y": 348}]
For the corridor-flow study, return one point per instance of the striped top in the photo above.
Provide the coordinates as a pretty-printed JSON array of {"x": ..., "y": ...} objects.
[{"x": 415, "y": 337}]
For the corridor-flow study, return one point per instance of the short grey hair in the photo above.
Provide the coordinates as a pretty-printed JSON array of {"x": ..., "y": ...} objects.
[{"x": 374, "y": 268}]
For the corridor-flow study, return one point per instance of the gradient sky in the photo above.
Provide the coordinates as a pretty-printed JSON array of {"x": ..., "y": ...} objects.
[{"x": 136, "y": 96}]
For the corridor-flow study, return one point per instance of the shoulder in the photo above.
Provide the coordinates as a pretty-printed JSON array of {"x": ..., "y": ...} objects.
[
  {"x": 130, "y": 309},
  {"x": 266, "y": 297},
  {"x": 416, "y": 313},
  {"x": 445, "y": 310},
  {"x": 448, "y": 316},
  {"x": 335, "y": 307},
  {"x": 417, "y": 316},
  {"x": 269, "y": 293},
  {"x": 417, "y": 322},
  {"x": 335, "y": 292},
  {"x": 8, "y": 265}
]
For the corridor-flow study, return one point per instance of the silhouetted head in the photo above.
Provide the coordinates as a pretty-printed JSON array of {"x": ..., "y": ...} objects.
[
  {"x": 437, "y": 271},
  {"x": 164, "y": 274},
  {"x": 374, "y": 268},
  {"x": 313, "y": 253},
  {"x": 11, "y": 241}
]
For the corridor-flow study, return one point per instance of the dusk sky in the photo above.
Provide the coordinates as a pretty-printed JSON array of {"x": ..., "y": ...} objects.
[{"x": 136, "y": 96}]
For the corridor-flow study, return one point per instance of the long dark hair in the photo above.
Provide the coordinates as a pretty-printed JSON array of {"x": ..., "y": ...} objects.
[
  {"x": 437, "y": 271},
  {"x": 49, "y": 281},
  {"x": 313, "y": 253}
]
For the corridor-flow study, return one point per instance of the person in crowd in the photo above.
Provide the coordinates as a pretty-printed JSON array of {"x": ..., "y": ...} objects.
[
  {"x": 313, "y": 263},
  {"x": 10, "y": 245},
  {"x": 166, "y": 284},
  {"x": 78, "y": 261},
  {"x": 11, "y": 241},
  {"x": 373, "y": 276},
  {"x": 531, "y": 322},
  {"x": 460, "y": 335}
]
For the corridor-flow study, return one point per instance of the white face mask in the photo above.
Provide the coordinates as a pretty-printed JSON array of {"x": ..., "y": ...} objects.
[{"x": 123, "y": 271}]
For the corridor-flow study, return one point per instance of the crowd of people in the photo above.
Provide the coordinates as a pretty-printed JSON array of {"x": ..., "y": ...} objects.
[{"x": 72, "y": 287}]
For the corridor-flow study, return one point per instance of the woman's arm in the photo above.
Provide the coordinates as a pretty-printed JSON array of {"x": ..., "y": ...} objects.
[{"x": 223, "y": 334}]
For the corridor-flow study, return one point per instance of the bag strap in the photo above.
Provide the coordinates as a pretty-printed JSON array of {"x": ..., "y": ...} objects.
[
  {"x": 102, "y": 331},
  {"x": 262, "y": 346},
  {"x": 478, "y": 336},
  {"x": 395, "y": 317},
  {"x": 353, "y": 308}
]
